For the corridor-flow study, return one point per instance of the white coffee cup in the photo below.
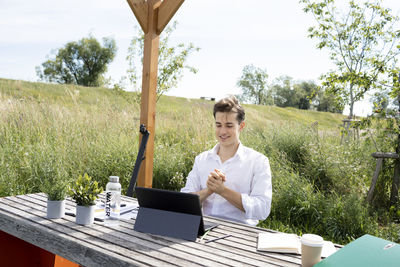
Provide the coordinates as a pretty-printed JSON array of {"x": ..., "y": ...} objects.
[{"x": 311, "y": 247}]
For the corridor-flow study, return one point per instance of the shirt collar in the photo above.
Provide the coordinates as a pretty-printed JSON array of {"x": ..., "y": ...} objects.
[
  {"x": 240, "y": 153},
  {"x": 213, "y": 152}
]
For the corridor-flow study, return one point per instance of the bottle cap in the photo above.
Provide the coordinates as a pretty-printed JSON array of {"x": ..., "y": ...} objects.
[{"x": 114, "y": 179}]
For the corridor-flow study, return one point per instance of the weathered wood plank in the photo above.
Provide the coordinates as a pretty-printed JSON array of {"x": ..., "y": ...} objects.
[
  {"x": 66, "y": 246},
  {"x": 93, "y": 235},
  {"x": 139, "y": 9},
  {"x": 240, "y": 256},
  {"x": 280, "y": 259},
  {"x": 166, "y": 11},
  {"x": 394, "y": 194},
  {"x": 204, "y": 250},
  {"x": 251, "y": 252},
  {"x": 117, "y": 237},
  {"x": 195, "y": 252},
  {"x": 248, "y": 237},
  {"x": 385, "y": 155},
  {"x": 379, "y": 162},
  {"x": 245, "y": 237},
  {"x": 123, "y": 243},
  {"x": 230, "y": 227},
  {"x": 176, "y": 248}
]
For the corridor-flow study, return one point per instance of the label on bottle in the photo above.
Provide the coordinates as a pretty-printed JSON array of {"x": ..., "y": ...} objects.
[{"x": 112, "y": 206}]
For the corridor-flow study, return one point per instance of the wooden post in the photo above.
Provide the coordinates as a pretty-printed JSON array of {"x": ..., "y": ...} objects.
[
  {"x": 374, "y": 179},
  {"x": 148, "y": 97},
  {"x": 380, "y": 156},
  {"x": 153, "y": 16},
  {"x": 394, "y": 194}
]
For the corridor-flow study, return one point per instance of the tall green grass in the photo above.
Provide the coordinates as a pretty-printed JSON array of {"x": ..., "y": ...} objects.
[{"x": 319, "y": 186}]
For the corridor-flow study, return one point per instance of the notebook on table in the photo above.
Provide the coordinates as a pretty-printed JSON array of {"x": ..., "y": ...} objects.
[
  {"x": 365, "y": 251},
  {"x": 287, "y": 243},
  {"x": 170, "y": 213}
]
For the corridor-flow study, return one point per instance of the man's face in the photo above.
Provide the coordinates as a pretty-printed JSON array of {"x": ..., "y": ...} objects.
[{"x": 227, "y": 128}]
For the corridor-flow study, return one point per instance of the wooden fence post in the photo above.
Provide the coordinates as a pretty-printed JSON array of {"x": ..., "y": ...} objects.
[
  {"x": 394, "y": 195},
  {"x": 379, "y": 162},
  {"x": 380, "y": 156}
]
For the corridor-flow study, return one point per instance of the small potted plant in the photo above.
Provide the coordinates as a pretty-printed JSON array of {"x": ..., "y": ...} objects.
[
  {"x": 54, "y": 185},
  {"x": 85, "y": 191}
]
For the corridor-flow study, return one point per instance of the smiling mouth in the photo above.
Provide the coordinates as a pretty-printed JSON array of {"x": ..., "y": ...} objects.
[{"x": 224, "y": 137}]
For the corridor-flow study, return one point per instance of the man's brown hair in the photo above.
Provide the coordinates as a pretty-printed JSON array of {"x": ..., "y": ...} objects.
[{"x": 230, "y": 104}]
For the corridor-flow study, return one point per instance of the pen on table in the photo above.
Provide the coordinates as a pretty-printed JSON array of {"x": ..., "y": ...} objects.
[
  {"x": 218, "y": 238},
  {"x": 205, "y": 234},
  {"x": 122, "y": 204},
  {"x": 70, "y": 213},
  {"x": 73, "y": 215}
]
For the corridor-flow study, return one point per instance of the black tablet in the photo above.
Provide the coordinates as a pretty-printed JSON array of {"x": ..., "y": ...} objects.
[{"x": 172, "y": 201}]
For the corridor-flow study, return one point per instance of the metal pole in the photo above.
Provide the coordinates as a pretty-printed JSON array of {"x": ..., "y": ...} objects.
[{"x": 139, "y": 159}]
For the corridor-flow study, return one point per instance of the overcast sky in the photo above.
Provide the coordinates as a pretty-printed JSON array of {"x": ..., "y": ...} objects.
[{"x": 231, "y": 34}]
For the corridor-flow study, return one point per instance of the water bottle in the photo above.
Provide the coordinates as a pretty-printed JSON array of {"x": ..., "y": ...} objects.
[{"x": 113, "y": 201}]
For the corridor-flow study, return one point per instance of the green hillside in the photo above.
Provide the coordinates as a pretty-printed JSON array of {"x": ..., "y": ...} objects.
[
  {"x": 319, "y": 186},
  {"x": 91, "y": 97}
]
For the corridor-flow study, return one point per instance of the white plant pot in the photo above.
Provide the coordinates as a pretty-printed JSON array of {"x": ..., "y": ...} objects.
[
  {"x": 55, "y": 209},
  {"x": 85, "y": 214}
]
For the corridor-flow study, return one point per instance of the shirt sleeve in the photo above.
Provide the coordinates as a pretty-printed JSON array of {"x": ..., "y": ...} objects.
[
  {"x": 257, "y": 204},
  {"x": 193, "y": 180}
]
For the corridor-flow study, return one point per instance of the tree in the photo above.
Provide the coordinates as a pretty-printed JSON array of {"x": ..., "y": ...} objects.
[
  {"x": 305, "y": 90},
  {"x": 283, "y": 92},
  {"x": 289, "y": 93},
  {"x": 253, "y": 83},
  {"x": 171, "y": 60},
  {"x": 326, "y": 102},
  {"x": 83, "y": 62},
  {"x": 380, "y": 101},
  {"x": 361, "y": 43}
]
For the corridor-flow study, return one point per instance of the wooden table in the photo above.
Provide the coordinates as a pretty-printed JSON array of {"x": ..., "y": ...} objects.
[{"x": 24, "y": 217}]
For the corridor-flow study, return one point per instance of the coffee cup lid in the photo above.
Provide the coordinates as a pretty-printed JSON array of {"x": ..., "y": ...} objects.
[{"x": 312, "y": 240}]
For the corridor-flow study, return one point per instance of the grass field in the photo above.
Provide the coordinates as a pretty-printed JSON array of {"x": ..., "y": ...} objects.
[{"x": 319, "y": 185}]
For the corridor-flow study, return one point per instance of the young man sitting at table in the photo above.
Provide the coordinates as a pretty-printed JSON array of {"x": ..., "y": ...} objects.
[{"x": 233, "y": 181}]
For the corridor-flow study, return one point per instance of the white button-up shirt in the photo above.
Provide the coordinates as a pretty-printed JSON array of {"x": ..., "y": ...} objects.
[{"x": 247, "y": 172}]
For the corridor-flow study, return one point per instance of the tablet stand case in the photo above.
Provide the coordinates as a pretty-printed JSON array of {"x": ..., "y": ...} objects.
[{"x": 167, "y": 223}]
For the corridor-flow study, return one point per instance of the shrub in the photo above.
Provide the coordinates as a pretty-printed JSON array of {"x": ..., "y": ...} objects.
[
  {"x": 293, "y": 144},
  {"x": 84, "y": 191},
  {"x": 347, "y": 218},
  {"x": 54, "y": 182},
  {"x": 295, "y": 202}
]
